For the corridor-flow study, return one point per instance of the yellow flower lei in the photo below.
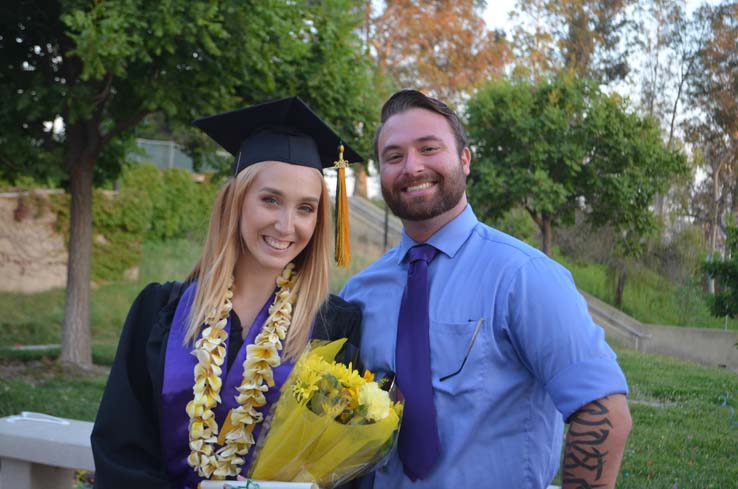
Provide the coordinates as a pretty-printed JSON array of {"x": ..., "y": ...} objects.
[{"x": 261, "y": 357}]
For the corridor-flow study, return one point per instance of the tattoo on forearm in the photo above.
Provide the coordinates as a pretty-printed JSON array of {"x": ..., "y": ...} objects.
[{"x": 583, "y": 448}]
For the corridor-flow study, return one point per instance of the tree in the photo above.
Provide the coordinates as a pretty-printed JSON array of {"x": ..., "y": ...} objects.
[
  {"x": 533, "y": 40},
  {"x": 327, "y": 68},
  {"x": 725, "y": 273},
  {"x": 529, "y": 149},
  {"x": 629, "y": 164},
  {"x": 669, "y": 43},
  {"x": 442, "y": 47},
  {"x": 714, "y": 96},
  {"x": 586, "y": 37},
  {"x": 563, "y": 145},
  {"x": 716, "y": 196},
  {"x": 77, "y": 77},
  {"x": 715, "y": 91}
]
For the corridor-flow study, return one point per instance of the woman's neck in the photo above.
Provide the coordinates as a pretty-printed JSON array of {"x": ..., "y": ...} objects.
[{"x": 252, "y": 287}]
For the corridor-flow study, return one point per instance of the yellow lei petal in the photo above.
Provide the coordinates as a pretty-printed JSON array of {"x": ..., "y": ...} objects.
[{"x": 261, "y": 357}]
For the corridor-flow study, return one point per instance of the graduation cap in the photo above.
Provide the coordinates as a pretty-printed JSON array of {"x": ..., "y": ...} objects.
[{"x": 286, "y": 130}]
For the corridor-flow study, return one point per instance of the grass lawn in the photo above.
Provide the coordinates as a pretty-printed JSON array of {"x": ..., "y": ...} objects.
[
  {"x": 42, "y": 386},
  {"x": 685, "y": 427}
]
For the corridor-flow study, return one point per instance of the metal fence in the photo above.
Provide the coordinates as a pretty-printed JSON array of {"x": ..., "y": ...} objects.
[{"x": 164, "y": 154}]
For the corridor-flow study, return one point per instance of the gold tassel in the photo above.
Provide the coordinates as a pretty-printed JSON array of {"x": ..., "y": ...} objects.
[{"x": 343, "y": 241}]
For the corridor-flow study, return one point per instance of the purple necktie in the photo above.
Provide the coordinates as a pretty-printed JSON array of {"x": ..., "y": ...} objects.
[{"x": 418, "y": 444}]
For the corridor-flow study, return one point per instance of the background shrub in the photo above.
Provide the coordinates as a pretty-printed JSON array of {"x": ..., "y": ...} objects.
[{"x": 150, "y": 204}]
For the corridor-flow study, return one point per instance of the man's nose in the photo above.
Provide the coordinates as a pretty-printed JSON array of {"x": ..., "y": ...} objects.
[{"x": 413, "y": 162}]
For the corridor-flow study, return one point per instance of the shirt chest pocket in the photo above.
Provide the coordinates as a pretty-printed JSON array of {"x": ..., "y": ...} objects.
[{"x": 459, "y": 355}]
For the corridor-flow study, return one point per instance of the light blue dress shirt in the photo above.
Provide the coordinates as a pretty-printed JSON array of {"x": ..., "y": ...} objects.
[{"x": 538, "y": 355}]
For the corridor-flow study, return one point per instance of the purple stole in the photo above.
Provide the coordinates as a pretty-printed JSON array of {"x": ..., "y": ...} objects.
[{"x": 179, "y": 366}]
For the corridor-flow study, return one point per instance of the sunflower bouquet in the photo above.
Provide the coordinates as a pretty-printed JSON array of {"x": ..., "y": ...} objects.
[{"x": 331, "y": 424}]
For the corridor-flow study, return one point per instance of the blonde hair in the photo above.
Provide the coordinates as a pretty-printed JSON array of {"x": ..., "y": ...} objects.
[{"x": 223, "y": 248}]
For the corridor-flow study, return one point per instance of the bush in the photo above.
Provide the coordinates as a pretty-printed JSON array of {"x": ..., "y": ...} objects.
[
  {"x": 517, "y": 222},
  {"x": 679, "y": 259},
  {"x": 175, "y": 205},
  {"x": 585, "y": 243}
]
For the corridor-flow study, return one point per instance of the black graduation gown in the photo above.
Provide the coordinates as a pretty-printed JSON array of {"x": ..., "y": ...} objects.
[{"x": 126, "y": 441}]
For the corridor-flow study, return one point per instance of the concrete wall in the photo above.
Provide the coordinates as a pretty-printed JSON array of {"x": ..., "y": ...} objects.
[
  {"x": 32, "y": 254},
  {"x": 367, "y": 224},
  {"x": 713, "y": 347},
  {"x": 620, "y": 328}
]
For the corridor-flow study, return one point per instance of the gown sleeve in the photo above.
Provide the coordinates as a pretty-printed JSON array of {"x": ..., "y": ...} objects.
[
  {"x": 340, "y": 319},
  {"x": 126, "y": 436}
]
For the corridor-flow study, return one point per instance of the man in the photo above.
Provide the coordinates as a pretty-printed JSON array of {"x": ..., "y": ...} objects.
[{"x": 506, "y": 350}]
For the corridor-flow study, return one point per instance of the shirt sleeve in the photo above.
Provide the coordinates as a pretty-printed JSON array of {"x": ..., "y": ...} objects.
[
  {"x": 125, "y": 439},
  {"x": 553, "y": 333}
]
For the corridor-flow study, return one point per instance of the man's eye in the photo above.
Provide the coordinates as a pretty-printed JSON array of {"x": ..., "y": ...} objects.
[
  {"x": 393, "y": 157},
  {"x": 429, "y": 149}
]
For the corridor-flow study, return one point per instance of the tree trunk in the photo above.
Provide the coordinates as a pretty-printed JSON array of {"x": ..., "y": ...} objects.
[
  {"x": 622, "y": 275},
  {"x": 712, "y": 240},
  {"x": 547, "y": 235},
  {"x": 360, "y": 181},
  {"x": 659, "y": 205},
  {"x": 76, "y": 335}
]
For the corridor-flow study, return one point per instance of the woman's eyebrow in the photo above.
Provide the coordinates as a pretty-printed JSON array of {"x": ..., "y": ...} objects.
[
  {"x": 272, "y": 190},
  {"x": 279, "y": 193}
]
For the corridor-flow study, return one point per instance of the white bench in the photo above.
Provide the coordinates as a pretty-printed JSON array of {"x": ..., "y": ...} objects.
[{"x": 40, "y": 451}]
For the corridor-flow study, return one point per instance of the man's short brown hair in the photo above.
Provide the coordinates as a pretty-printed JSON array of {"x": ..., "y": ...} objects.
[{"x": 412, "y": 99}]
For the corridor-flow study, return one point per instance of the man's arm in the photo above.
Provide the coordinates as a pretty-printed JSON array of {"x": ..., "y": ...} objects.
[{"x": 595, "y": 443}]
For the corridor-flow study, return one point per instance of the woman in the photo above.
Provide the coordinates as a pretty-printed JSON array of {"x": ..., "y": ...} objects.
[{"x": 199, "y": 364}]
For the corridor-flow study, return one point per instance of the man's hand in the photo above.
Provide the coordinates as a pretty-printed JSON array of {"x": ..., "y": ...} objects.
[{"x": 595, "y": 444}]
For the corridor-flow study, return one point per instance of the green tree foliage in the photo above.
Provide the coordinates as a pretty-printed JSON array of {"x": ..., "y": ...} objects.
[
  {"x": 725, "y": 300},
  {"x": 76, "y": 77},
  {"x": 563, "y": 145},
  {"x": 528, "y": 149},
  {"x": 310, "y": 49}
]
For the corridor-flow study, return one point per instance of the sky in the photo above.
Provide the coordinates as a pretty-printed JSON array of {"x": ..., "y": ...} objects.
[{"x": 496, "y": 13}]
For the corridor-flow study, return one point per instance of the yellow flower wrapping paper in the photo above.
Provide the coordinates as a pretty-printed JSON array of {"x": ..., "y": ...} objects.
[{"x": 303, "y": 446}]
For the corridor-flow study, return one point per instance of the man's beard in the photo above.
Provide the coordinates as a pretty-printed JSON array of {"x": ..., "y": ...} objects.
[{"x": 450, "y": 192}]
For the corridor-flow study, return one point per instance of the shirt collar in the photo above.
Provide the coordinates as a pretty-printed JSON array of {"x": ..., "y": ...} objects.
[{"x": 448, "y": 239}]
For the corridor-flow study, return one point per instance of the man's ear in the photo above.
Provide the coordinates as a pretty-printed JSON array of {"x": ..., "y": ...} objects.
[{"x": 465, "y": 160}]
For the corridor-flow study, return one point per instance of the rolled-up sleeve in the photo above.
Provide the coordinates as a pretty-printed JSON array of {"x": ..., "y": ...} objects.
[{"x": 555, "y": 337}]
